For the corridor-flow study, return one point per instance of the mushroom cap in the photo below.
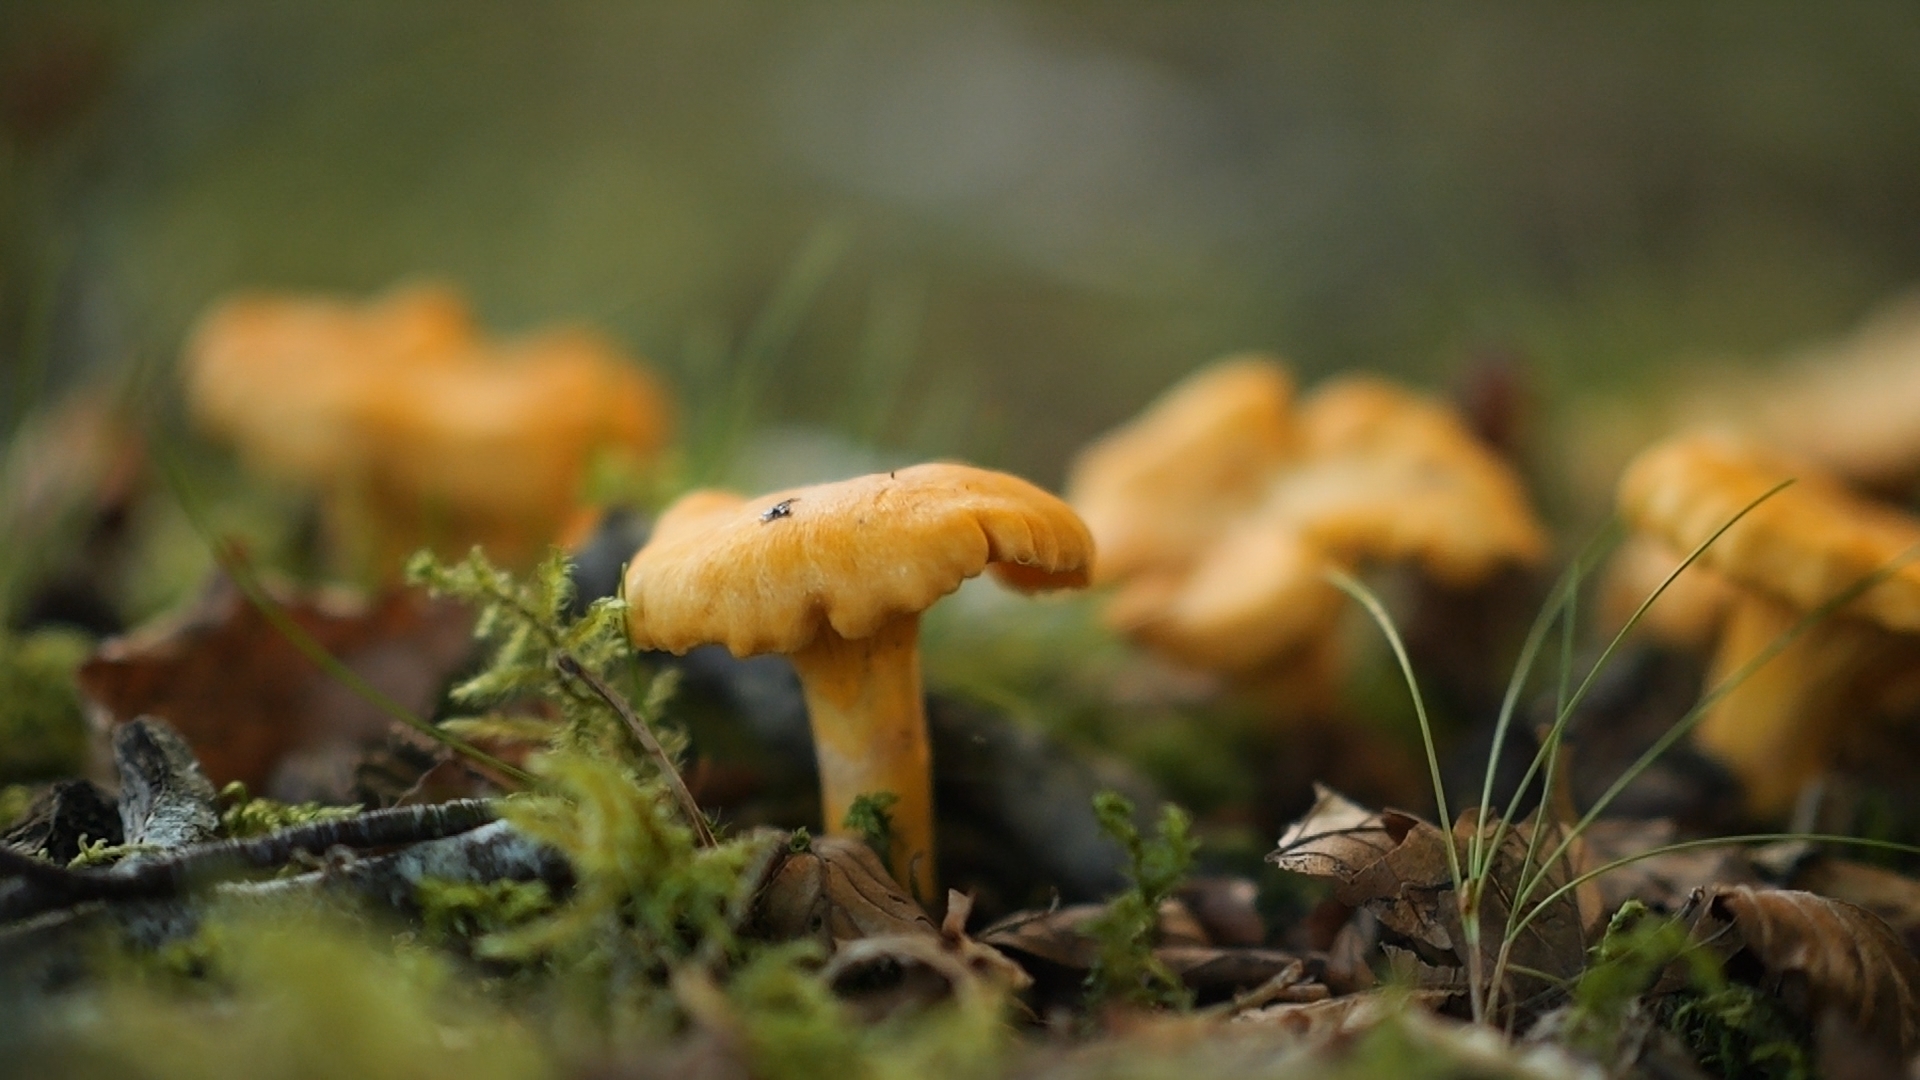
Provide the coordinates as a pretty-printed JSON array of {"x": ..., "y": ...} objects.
[
  {"x": 1364, "y": 471},
  {"x": 515, "y": 430},
  {"x": 1392, "y": 475},
  {"x": 277, "y": 375},
  {"x": 415, "y": 426},
  {"x": 1388, "y": 476},
  {"x": 1849, "y": 406},
  {"x": 1158, "y": 489},
  {"x": 1258, "y": 595},
  {"x": 1687, "y": 615},
  {"x": 771, "y": 574},
  {"x": 1805, "y": 545}
]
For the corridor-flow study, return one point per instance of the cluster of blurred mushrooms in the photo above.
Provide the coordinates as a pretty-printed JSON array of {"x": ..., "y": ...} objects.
[{"x": 1212, "y": 526}]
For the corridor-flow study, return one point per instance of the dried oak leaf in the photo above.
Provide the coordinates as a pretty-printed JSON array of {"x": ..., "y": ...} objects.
[
  {"x": 885, "y": 953},
  {"x": 254, "y": 707},
  {"x": 833, "y": 892},
  {"x": 1822, "y": 956},
  {"x": 1390, "y": 863},
  {"x": 1661, "y": 881},
  {"x": 1395, "y": 867},
  {"x": 1057, "y": 951},
  {"x": 1893, "y": 897},
  {"x": 1342, "y": 1015}
]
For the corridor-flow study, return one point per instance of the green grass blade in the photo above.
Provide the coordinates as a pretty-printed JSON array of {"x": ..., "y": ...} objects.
[
  {"x": 1566, "y": 710},
  {"x": 1352, "y": 587},
  {"x": 1686, "y": 723},
  {"x": 1563, "y": 588}
]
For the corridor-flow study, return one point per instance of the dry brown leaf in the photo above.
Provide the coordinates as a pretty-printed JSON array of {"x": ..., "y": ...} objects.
[
  {"x": 1661, "y": 881},
  {"x": 1342, "y": 1015},
  {"x": 884, "y": 953},
  {"x": 834, "y": 892},
  {"x": 254, "y": 708},
  {"x": 1893, "y": 897},
  {"x": 1056, "y": 949},
  {"x": 1391, "y": 863},
  {"x": 1822, "y": 955},
  {"x": 1058, "y": 936},
  {"x": 1394, "y": 866}
]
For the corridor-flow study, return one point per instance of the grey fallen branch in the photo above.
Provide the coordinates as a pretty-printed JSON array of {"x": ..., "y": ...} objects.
[
  {"x": 30, "y": 886},
  {"x": 166, "y": 800},
  {"x": 41, "y": 954}
]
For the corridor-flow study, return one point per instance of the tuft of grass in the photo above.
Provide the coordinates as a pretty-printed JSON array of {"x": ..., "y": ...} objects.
[{"x": 1469, "y": 874}]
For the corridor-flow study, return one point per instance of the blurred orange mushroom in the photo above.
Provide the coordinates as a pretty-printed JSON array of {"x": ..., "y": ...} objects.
[
  {"x": 1791, "y": 555},
  {"x": 1361, "y": 472},
  {"x": 835, "y": 576},
  {"x": 416, "y": 430}
]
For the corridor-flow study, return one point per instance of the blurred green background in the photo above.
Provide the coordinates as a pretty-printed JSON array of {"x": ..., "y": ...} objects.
[{"x": 1020, "y": 220}]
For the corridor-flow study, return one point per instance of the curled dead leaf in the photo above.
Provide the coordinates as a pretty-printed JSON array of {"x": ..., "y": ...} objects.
[
  {"x": 835, "y": 891},
  {"x": 1893, "y": 897},
  {"x": 1057, "y": 950},
  {"x": 1823, "y": 956},
  {"x": 884, "y": 953},
  {"x": 1395, "y": 867}
]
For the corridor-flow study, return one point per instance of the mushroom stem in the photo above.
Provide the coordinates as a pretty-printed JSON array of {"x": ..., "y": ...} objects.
[
  {"x": 870, "y": 732},
  {"x": 1776, "y": 730}
]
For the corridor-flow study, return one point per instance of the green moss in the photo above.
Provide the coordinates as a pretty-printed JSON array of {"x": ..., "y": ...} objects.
[
  {"x": 15, "y": 800},
  {"x": 43, "y": 730},
  {"x": 295, "y": 993},
  {"x": 1125, "y": 969},
  {"x": 243, "y": 815},
  {"x": 463, "y": 911},
  {"x": 1735, "y": 1030},
  {"x": 871, "y": 818},
  {"x": 1732, "y": 1029},
  {"x": 101, "y": 853},
  {"x": 793, "y": 1027},
  {"x": 645, "y": 895},
  {"x": 525, "y": 621}
]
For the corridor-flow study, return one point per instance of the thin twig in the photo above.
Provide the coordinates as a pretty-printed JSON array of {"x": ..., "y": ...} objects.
[{"x": 570, "y": 666}]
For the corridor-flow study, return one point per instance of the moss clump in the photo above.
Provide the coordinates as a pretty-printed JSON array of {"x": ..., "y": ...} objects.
[
  {"x": 1736, "y": 1030},
  {"x": 43, "y": 730},
  {"x": 526, "y": 622},
  {"x": 292, "y": 993},
  {"x": 793, "y": 1028},
  {"x": 643, "y": 889},
  {"x": 455, "y": 911},
  {"x": 871, "y": 818},
  {"x": 1732, "y": 1029},
  {"x": 1125, "y": 969},
  {"x": 243, "y": 815},
  {"x": 15, "y": 800}
]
